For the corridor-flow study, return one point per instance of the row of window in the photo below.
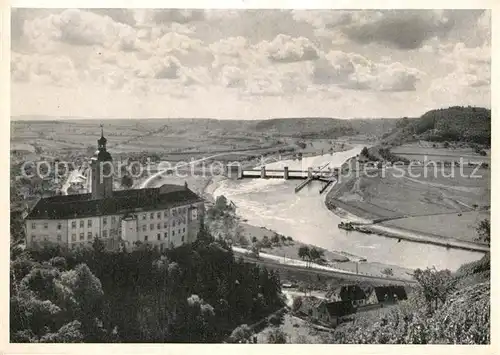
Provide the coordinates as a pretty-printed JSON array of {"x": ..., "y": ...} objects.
[
  {"x": 158, "y": 236},
  {"x": 44, "y": 237},
  {"x": 158, "y": 226},
  {"x": 158, "y": 214}
]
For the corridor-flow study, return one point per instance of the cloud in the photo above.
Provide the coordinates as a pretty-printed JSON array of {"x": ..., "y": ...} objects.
[
  {"x": 76, "y": 27},
  {"x": 401, "y": 29},
  {"x": 47, "y": 69},
  {"x": 353, "y": 71},
  {"x": 286, "y": 49},
  {"x": 177, "y": 15},
  {"x": 124, "y": 16}
]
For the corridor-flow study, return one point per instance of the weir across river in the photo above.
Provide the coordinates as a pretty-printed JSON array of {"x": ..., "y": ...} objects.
[{"x": 320, "y": 173}]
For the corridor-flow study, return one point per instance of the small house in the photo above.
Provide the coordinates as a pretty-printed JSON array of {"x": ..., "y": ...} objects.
[
  {"x": 348, "y": 293},
  {"x": 386, "y": 295},
  {"x": 329, "y": 313}
]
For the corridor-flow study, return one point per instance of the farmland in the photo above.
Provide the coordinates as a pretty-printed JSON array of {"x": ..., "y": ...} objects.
[{"x": 444, "y": 201}]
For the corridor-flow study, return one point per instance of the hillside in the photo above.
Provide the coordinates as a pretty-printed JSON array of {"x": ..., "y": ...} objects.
[
  {"x": 465, "y": 124},
  {"x": 322, "y": 127},
  {"x": 461, "y": 317}
]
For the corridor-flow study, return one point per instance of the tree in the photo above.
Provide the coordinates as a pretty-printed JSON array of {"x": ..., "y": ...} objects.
[
  {"x": 387, "y": 271},
  {"x": 276, "y": 336},
  {"x": 304, "y": 252},
  {"x": 241, "y": 334},
  {"x": 265, "y": 242},
  {"x": 316, "y": 254},
  {"x": 483, "y": 231},
  {"x": 435, "y": 286},
  {"x": 127, "y": 181}
]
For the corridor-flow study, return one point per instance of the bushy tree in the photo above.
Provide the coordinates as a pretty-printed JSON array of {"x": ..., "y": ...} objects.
[
  {"x": 276, "y": 336},
  {"x": 483, "y": 231}
]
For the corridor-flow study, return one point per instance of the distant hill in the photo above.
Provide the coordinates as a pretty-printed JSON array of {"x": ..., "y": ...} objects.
[
  {"x": 465, "y": 124},
  {"x": 323, "y": 127}
]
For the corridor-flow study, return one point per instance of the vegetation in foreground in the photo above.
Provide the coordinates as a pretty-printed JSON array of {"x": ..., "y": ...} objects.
[
  {"x": 195, "y": 293},
  {"x": 444, "y": 309}
]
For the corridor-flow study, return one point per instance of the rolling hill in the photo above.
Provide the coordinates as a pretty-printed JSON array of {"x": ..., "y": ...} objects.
[{"x": 453, "y": 124}]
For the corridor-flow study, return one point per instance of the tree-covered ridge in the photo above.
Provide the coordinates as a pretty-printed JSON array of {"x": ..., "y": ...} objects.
[
  {"x": 197, "y": 293},
  {"x": 457, "y": 123}
]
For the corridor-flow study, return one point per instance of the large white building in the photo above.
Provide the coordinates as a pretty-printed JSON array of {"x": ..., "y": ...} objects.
[{"x": 167, "y": 216}]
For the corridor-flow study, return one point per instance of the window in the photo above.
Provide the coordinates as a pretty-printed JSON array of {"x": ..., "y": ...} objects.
[
  {"x": 159, "y": 236},
  {"x": 165, "y": 235},
  {"x": 173, "y": 232},
  {"x": 45, "y": 225},
  {"x": 104, "y": 234},
  {"x": 104, "y": 221},
  {"x": 158, "y": 226},
  {"x": 182, "y": 238},
  {"x": 145, "y": 238},
  {"x": 82, "y": 223},
  {"x": 151, "y": 226},
  {"x": 165, "y": 214},
  {"x": 165, "y": 225},
  {"x": 173, "y": 223},
  {"x": 89, "y": 235},
  {"x": 59, "y": 238},
  {"x": 73, "y": 224},
  {"x": 179, "y": 231},
  {"x": 152, "y": 215},
  {"x": 73, "y": 237},
  {"x": 113, "y": 219},
  {"x": 33, "y": 237},
  {"x": 158, "y": 215},
  {"x": 183, "y": 230},
  {"x": 144, "y": 228},
  {"x": 144, "y": 216},
  {"x": 82, "y": 236},
  {"x": 89, "y": 223},
  {"x": 59, "y": 225},
  {"x": 33, "y": 225}
]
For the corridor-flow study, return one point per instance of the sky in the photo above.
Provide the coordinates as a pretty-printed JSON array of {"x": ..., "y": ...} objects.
[{"x": 247, "y": 64}]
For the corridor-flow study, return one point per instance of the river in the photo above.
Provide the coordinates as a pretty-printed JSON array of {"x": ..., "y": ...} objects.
[{"x": 272, "y": 203}]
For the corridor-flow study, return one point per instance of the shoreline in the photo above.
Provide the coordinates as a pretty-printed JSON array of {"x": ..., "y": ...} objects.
[
  {"x": 347, "y": 261},
  {"x": 364, "y": 225}
]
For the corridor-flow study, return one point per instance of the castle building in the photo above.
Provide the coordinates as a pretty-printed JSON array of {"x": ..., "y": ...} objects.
[{"x": 167, "y": 216}]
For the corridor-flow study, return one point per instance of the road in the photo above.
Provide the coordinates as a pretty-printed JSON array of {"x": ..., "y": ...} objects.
[{"x": 299, "y": 265}]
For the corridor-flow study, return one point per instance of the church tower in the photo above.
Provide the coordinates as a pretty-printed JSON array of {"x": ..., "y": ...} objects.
[{"x": 101, "y": 173}]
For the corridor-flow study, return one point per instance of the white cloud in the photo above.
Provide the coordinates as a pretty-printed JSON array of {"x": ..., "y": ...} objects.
[
  {"x": 48, "y": 69},
  {"x": 286, "y": 49},
  {"x": 353, "y": 71}
]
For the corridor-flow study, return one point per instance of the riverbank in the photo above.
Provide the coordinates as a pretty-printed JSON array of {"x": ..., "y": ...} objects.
[{"x": 364, "y": 219}]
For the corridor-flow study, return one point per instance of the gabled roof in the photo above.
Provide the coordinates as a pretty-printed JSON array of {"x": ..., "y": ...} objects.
[
  {"x": 390, "y": 293},
  {"x": 339, "y": 309},
  {"x": 347, "y": 293},
  {"x": 80, "y": 206}
]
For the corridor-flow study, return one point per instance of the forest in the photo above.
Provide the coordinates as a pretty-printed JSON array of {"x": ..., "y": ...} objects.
[{"x": 194, "y": 293}]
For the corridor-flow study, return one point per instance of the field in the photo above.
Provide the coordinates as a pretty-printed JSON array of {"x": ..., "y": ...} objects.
[
  {"x": 444, "y": 202},
  {"x": 425, "y": 150}
]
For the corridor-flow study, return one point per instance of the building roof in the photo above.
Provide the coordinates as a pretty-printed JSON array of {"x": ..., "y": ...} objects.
[
  {"x": 390, "y": 293},
  {"x": 347, "y": 293},
  {"x": 80, "y": 206},
  {"x": 339, "y": 309}
]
